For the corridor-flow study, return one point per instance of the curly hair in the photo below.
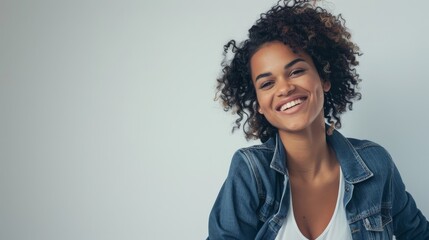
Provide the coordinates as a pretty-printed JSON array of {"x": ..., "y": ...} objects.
[{"x": 300, "y": 24}]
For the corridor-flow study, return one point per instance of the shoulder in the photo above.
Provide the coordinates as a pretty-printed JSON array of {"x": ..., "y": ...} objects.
[
  {"x": 363, "y": 143},
  {"x": 375, "y": 156},
  {"x": 368, "y": 147},
  {"x": 253, "y": 157}
]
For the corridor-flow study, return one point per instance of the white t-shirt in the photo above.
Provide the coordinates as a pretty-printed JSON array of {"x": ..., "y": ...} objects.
[{"x": 337, "y": 228}]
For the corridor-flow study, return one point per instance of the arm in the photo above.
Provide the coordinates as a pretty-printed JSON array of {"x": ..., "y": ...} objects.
[
  {"x": 408, "y": 221},
  {"x": 234, "y": 214}
]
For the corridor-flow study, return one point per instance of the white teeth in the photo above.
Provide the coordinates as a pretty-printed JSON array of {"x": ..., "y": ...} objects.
[{"x": 291, "y": 104}]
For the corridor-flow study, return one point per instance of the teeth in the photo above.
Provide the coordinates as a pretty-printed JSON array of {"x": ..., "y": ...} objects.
[{"x": 291, "y": 104}]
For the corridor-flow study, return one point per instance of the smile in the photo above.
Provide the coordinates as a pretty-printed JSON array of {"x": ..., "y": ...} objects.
[{"x": 292, "y": 104}]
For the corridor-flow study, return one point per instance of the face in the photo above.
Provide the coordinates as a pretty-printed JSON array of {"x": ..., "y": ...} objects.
[{"x": 288, "y": 87}]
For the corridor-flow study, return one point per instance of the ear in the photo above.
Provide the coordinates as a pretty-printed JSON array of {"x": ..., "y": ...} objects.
[
  {"x": 326, "y": 86},
  {"x": 257, "y": 107}
]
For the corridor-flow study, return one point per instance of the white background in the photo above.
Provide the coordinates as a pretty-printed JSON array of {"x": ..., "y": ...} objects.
[{"x": 108, "y": 129}]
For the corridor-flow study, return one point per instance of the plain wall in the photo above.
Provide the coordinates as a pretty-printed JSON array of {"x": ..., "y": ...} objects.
[{"x": 108, "y": 128}]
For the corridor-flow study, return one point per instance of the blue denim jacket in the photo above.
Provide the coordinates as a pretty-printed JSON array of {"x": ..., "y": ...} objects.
[{"x": 253, "y": 202}]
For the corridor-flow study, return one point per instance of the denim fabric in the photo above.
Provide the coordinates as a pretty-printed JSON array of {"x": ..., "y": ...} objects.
[{"x": 254, "y": 199}]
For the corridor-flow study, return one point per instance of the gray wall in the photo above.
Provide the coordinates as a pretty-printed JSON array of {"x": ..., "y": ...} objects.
[{"x": 107, "y": 125}]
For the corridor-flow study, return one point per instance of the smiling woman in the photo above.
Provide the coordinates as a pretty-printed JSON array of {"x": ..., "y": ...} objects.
[
  {"x": 306, "y": 180},
  {"x": 288, "y": 88},
  {"x": 325, "y": 40}
]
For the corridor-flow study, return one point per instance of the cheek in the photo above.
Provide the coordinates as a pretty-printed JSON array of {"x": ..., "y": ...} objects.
[
  {"x": 319, "y": 88},
  {"x": 320, "y": 91},
  {"x": 321, "y": 96},
  {"x": 263, "y": 99}
]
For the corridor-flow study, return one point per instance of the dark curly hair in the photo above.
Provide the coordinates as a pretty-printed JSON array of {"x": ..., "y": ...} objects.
[{"x": 302, "y": 25}]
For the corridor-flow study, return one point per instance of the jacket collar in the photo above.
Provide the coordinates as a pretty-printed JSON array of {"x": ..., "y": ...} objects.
[{"x": 353, "y": 167}]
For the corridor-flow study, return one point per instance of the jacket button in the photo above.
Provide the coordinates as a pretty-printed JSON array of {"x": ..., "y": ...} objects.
[{"x": 347, "y": 188}]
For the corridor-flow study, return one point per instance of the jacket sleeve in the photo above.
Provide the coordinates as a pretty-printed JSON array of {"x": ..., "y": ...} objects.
[
  {"x": 408, "y": 220},
  {"x": 234, "y": 214}
]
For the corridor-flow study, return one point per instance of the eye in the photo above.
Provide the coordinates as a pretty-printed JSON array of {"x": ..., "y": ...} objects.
[
  {"x": 266, "y": 84},
  {"x": 296, "y": 72}
]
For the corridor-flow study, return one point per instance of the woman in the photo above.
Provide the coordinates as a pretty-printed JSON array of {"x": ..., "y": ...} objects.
[{"x": 306, "y": 180}]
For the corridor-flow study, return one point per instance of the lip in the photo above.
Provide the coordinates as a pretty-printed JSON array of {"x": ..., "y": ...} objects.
[{"x": 289, "y": 99}]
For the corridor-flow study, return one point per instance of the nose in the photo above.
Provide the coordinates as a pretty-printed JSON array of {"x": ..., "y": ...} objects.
[{"x": 285, "y": 88}]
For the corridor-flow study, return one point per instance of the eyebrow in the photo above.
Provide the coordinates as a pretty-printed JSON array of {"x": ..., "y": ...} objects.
[{"x": 267, "y": 74}]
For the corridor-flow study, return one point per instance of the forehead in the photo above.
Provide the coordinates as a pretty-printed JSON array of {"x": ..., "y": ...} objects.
[
  {"x": 272, "y": 54},
  {"x": 277, "y": 49}
]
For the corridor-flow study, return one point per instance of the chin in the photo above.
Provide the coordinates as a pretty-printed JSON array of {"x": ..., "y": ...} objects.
[
  {"x": 293, "y": 128},
  {"x": 301, "y": 126}
]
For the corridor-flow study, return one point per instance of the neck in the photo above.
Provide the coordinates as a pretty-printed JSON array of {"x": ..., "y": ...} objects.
[{"x": 307, "y": 152}]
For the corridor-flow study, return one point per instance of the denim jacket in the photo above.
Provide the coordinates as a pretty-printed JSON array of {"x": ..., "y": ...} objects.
[{"x": 254, "y": 199}]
